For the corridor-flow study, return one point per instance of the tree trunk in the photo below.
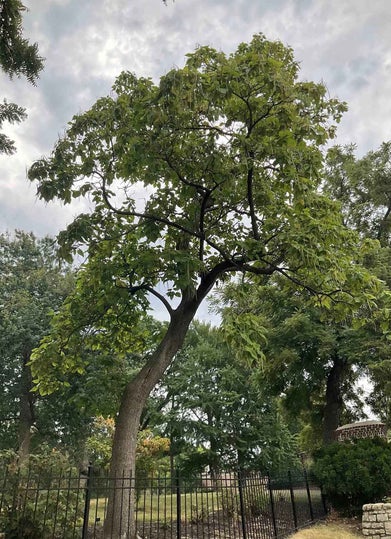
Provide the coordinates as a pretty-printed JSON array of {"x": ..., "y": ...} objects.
[
  {"x": 119, "y": 521},
  {"x": 334, "y": 399},
  {"x": 214, "y": 446},
  {"x": 26, "y": 411}
]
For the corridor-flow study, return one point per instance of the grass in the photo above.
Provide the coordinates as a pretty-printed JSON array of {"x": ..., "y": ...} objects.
[
  {"x": 157, "y": 507},
  {"x": 326, "y": 531},
  {"x": 197, "y": 505}
]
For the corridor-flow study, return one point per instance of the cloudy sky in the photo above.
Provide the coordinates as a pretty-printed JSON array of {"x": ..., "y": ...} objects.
[{"x": 86, "y": 43}]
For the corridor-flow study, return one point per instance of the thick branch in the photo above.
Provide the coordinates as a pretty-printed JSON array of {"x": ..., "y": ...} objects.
[
  {"x": 227, "y": 266},
  {"x": 383, "y": 223},
  {"x": 250, "y": 198}
]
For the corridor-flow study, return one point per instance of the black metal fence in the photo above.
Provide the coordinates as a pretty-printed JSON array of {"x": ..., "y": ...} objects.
[{"x": 53, "y": 505}]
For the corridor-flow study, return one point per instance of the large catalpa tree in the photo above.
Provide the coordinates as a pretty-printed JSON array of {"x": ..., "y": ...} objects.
[{"x": 227, "y": 150}]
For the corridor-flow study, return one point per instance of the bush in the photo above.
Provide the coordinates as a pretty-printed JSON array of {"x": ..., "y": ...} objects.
[
  {"x": 254, "y": 503},
  {"x": 354, "y": 473},
  {"x": 21, "y": 526},
  {"x": 42, "y": 498}
]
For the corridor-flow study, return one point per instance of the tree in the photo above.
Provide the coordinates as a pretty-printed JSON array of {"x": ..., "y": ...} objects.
[
  {"x": 309, "y": 359},
  {"x": 31, "y": 286},
  {"x": 228, "y": 152},
  {"x": 216, "y": 412},
  {"x": 363, "y": 188},
  {"x": 17, "y": 57}
]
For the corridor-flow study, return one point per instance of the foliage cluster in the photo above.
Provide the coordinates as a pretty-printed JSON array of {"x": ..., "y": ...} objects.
[
  {"x": 217, "y": 412},
  {"x": 38, "y": 497},
  {"x": 354, "y": 473},
  {"x": 17, "y": 57},
  {"x": 150, "y": 453},
  {"x": 254, "y": 503},
  {"x": 150, "y": 450}
]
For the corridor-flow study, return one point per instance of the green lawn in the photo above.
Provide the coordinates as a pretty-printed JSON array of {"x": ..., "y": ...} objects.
[
  {"x": 162, "y": 507},
  {"x": 197, "y": 505}
]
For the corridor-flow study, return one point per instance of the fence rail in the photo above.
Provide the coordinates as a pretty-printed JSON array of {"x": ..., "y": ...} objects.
[{"x": 54, "y": 505}]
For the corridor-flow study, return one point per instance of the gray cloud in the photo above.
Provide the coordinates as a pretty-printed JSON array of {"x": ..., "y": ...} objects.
[{"x": 87, "y": 43}]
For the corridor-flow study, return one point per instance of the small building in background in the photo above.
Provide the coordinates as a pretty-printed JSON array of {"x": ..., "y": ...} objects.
[{"x": 361, "y": 429}]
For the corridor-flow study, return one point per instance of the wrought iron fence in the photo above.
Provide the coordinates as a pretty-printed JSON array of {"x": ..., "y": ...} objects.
[{"x": 64, "y": 505}]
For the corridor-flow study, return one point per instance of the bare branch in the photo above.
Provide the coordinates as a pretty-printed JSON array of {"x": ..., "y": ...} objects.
[
  {"x": 134, "y": 289},
  {"x": 148, "y": 216}
]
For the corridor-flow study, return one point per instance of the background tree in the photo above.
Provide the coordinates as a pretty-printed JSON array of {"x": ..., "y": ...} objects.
[
  {"x": 216, "y": 411},
  {"x": 227, "y": 149},
  {"x": 32, "y": 285},
  {"x": 310, "y": 360},
  {"x": 363, "y": 187},
  {"x": 18, "y": 57}
]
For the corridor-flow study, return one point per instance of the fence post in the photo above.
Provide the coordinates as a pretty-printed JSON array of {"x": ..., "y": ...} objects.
[
  {"x": 241, "y": 501},
  {"x": 87, "y": 501},
  {"x": 308, "y": 494},
  {"x": 292, "y": 500},
  {"x": 272, "y": 505},
  {"x": 178, "y": 505}
]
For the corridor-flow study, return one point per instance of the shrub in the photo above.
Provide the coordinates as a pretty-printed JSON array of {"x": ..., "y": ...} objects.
[
  {"x": 254, "y": 503},
  {"x": 42, "y": 498},
  {"x": 229, "y": 502},
  {"x": 21, "y": 526},
  {"x": 354, "y": 473}
]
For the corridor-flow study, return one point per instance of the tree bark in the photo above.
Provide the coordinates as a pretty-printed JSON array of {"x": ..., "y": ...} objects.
[
  {"x": 213, "y": 444},
  {"x": 26, "y": 411},
  {"x": 119, "y": 521},
  {"x": 334, "y": 399}
]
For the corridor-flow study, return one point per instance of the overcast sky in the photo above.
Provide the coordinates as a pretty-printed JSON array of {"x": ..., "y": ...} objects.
[{"x": 87, "y": 43}]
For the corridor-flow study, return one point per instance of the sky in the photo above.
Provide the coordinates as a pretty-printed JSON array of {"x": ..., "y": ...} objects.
[
  {"x": 346, "y": 44},
  {"x": 86, "y": 43}
]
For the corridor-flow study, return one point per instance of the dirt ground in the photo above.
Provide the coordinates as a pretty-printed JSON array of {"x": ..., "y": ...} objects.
[{"x": 351, "y": 524}]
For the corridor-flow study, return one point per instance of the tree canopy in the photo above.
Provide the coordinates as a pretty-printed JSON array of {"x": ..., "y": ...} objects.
[
  {"x": 217, "y": 412},
  {"x": 362, "y": 185},
  {"x": 32, "y": 286},
  {"x": 228, "y": 150},
  {"x": 211, "y": 172}
]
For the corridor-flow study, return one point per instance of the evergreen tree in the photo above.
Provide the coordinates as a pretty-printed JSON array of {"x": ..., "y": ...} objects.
[{"x": 18, "y": 57}]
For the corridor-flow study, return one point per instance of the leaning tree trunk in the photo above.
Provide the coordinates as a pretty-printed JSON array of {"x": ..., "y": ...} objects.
[
  {"x": 119, "y": 521},
  {"x": 334, "y": 399}
]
